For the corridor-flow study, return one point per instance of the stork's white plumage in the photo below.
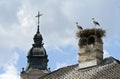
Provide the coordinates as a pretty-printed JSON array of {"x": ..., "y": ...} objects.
[
  {"x": 95, "y": 22},
  {"x": 78, "y": 26}
]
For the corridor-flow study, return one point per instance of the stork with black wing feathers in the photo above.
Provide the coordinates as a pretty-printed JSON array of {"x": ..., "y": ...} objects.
[
  {"x": 78, "y": 26},
  {"x": 95, "y": 22}
]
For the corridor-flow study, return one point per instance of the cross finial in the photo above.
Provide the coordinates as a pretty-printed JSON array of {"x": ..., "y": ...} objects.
[{"x": 38, "y": 16}]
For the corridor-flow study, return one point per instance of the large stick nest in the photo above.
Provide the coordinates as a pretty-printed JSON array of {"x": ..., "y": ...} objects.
[{"x": 87, "y": 32}]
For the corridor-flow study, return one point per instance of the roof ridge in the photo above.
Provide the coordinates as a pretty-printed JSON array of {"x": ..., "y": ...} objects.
[{"x": 109, "y": 60}]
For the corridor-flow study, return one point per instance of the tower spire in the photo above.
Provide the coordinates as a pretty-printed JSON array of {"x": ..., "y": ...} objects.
[
  {"x": 38, "y": 16},
  {"x": 37, "y": 58}
]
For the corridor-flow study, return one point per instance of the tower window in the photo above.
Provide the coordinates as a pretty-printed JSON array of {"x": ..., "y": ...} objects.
[{"x": 91, "y": 40}]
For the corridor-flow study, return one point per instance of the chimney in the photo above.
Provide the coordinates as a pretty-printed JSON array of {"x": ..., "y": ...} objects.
[{"x": 90, "y": 47}]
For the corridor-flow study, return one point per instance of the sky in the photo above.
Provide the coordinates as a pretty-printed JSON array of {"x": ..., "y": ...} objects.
[{"x": 57, "y": 25}]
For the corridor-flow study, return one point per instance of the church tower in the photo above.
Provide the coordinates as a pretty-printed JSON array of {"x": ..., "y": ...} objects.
[
  {"x": 90, "y": 47},
  {"x": 36, "y": 59}
]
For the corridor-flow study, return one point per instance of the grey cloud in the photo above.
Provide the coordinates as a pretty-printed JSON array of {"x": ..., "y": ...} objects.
[
  {"x": 8, "y": 10},
  {"x": 58, "y": 21}
]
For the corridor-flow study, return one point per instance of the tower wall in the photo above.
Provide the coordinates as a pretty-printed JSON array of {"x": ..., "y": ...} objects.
[
  {"x": 32, "y": 74},
  {"x": 90, "y": 47}
]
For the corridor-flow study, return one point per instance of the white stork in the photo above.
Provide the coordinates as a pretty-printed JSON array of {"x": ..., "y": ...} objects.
[
  {"x": 95, "y": 22},
  {"x": 78, "y": 26}
]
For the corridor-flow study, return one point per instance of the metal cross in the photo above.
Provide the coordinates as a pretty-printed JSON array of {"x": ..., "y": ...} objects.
[{"x": 38, "y": 16}]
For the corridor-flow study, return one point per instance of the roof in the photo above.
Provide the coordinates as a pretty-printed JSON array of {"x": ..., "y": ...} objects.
[{"x": 108, "y": 69}]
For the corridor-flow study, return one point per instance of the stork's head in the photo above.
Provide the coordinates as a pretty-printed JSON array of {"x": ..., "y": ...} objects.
[
  {"x": 93, "y": 19},
  {"x": 77, "y": 23}
]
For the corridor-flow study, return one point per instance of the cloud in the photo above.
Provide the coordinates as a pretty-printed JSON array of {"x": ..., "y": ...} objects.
[
  {"x": 10, "y": 70},
  {"x": 106, "y": 54},
  {"x": 58, "y": 20},
  {"x": 10, "y": 73},
  {"x": 8, "y": 12}
]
